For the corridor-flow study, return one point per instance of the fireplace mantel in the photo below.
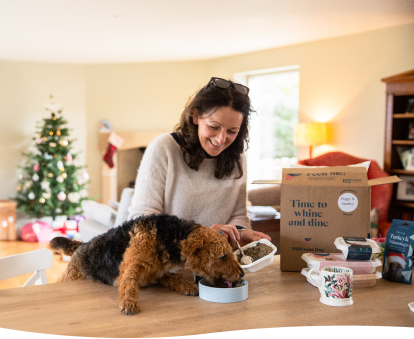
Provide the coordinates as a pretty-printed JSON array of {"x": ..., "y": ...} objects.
[{"x": 132, "y": 140}]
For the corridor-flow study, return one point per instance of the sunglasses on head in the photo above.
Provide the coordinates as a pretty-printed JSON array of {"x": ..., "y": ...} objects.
[{"x": 223, "y": 84}]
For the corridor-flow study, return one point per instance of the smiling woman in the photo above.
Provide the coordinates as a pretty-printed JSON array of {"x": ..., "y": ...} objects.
[{"x": 199, "y": 171}]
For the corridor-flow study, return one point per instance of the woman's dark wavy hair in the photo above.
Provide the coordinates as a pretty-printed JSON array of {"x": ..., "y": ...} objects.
[{"x": 207, "y": 101}]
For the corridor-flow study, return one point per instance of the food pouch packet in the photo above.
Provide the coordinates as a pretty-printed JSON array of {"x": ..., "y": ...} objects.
[{"x": 398, "y": 252}]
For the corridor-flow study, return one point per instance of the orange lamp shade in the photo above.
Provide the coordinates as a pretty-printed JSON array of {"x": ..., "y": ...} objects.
[{"x": 310, "y": 134}]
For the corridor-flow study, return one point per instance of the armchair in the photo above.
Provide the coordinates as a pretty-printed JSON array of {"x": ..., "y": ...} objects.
[{"x": 380, "y": 195}]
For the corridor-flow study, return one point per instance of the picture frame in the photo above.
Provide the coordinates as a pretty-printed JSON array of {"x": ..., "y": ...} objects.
[
  {"x": 405, "y": 189},
  {"x": 410, "y": 106},
  {"x": 104, "y": 126},
  {"x": 411, "y": 130},
  {"x": 404, "y": 153},
  {"x": 410, "y": 161}
]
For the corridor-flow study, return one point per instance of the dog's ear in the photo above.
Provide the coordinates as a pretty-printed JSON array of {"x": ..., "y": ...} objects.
[{"x": 192, "y": 245}]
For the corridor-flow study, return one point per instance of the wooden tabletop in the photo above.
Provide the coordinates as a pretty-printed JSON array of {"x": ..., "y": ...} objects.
[{"x": 276, "y": 299}]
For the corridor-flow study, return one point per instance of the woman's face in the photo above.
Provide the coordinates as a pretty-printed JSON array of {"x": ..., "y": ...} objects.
[{"x": 217, "y": 131}]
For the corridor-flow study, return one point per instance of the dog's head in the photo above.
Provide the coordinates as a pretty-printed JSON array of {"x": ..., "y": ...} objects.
[{"x": 208, "y": 254}]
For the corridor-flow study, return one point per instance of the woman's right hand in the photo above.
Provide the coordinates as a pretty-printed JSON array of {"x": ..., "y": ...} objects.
[{"x": 229, "y": 231}]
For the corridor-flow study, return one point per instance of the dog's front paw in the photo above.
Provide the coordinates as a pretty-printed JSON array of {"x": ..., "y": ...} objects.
[
  {"x": 192, "y": 290},
  {"x": 129, "y": 307}
]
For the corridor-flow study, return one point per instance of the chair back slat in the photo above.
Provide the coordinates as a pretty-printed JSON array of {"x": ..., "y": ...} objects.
[{"x": 23, "y": 263}]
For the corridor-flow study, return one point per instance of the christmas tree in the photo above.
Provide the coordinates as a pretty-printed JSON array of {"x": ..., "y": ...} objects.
[{"x": 50, "y": 184}]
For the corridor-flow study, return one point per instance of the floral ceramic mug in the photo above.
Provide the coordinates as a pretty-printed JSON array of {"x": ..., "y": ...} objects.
[{"x": 335, "y": 285}]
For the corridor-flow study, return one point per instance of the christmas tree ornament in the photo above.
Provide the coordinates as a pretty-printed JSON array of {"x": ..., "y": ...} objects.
[
  {"x": 74, "y": 197},
  {"x": 53, "y": 107},
  {"x": 114, "y": 142},
  {"x": 85, "y": 176},
  {"x": 61, "y": 196},
  {"x": 45, "y": 185},
  {"x": 68, "y": 158},
  {"x": 50, "y": 157}
]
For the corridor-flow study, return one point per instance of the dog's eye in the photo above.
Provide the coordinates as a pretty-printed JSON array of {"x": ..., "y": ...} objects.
[{"x": 223, "y": 257}]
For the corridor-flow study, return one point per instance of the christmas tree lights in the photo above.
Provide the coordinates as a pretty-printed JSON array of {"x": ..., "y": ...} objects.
[{"x": 50, "y": 184}]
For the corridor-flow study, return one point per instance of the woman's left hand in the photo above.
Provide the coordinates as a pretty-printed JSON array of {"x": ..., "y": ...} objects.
[{"x": 247, "y": 236}]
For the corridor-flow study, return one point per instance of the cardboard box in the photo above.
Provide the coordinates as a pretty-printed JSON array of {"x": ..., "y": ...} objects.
[
  {"x": 319, "y": 205},
  {"x": 8, "y": 220}
]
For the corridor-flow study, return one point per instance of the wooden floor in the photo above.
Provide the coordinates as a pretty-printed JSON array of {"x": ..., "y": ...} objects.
[{"x": 15, "y": 247}]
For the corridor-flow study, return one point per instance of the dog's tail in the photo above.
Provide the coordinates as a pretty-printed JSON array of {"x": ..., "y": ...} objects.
[{"x": 64, "y": 245}]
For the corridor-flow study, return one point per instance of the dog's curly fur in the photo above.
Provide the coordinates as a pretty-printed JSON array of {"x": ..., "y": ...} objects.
[{"x": 146, "y": 249}]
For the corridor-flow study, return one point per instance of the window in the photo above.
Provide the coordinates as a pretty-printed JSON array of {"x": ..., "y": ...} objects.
[{"x": 275, "y": 97}]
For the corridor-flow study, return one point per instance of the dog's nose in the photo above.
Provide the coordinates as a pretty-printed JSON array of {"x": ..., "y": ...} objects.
[{"x": 242, "y": 274}]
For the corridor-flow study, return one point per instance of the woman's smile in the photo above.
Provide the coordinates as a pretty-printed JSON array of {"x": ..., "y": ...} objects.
[{"x": 217, "y": 131}]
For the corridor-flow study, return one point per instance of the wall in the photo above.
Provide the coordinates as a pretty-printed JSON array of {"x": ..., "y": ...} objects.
[
  {"x": 25, "y": 88},
  {"x": 340, "y": 81},
  {"x": 144, "y": 96}
]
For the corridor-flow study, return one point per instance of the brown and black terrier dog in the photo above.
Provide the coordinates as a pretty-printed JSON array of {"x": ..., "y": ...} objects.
[{"x": 150, "y": 248}]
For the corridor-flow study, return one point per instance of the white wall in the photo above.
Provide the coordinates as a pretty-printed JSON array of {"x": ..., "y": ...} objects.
[
  {"x": 136, "y": 97},
  {"x": 340, "y": 82}
]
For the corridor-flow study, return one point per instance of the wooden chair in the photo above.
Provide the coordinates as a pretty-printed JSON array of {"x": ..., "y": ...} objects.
[{"x": 35, "y": 261}]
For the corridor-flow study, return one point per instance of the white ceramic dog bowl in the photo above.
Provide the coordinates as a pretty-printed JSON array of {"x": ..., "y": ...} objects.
[
  {"x": 222, "y": 295},
  {"x": 411, "y": 306},
  {"x": 262, "y": 262}
]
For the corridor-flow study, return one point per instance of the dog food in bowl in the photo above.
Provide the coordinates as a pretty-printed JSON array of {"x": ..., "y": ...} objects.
[
  {"x": 259, "y": 263},
  {"x": 256, "y": 252}
]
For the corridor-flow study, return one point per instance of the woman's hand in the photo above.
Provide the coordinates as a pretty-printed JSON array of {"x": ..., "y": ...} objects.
[
  {"x": 244, "y": 237},
  {"x": 229, "y": 231},
  {"x": 247, "y": 236}
]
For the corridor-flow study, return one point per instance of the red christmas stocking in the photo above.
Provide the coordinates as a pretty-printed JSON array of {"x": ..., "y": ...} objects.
[{"x": 108, "y": 157}]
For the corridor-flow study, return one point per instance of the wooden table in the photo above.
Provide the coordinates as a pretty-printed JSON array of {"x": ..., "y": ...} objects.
[{"x": 276, "y": 299}]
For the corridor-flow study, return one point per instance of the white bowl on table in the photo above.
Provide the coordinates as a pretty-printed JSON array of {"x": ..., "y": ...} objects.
[{"x": 222, "y": 295}]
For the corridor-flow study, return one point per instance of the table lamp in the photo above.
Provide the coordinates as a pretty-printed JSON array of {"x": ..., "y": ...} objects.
[{"x": 310, "y": 134}]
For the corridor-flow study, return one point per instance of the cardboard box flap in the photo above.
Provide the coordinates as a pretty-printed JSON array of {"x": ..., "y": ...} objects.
[
  {"x": 385, "y": 180},
  {"x": 273, "y": 182},
  {"x": 325, "y": 176}
]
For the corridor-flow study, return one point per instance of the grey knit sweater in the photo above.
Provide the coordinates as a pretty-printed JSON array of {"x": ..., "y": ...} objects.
[{"x": 165, "y": 184}]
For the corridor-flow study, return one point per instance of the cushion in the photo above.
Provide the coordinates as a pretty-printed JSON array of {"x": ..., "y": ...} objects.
[
  {"x": 100, "y": 213},
  {"x": 380, "y": 194},
  {"x": 124, "y": 203},
  {"x": 362, "y": 164}
]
